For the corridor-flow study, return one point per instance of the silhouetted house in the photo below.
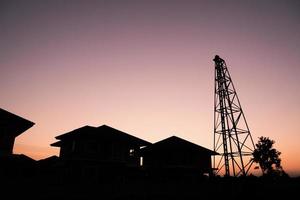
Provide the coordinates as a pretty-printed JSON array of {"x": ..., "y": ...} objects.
[
  {"x": 176, "y": 153},
  {"x": 101, "y": 143},
  {"x": 49, "y": 169},
  {"x": 92, "y": 152},
  {"x": 17, "y": 166},
  {"x": 11, "y": 126}
]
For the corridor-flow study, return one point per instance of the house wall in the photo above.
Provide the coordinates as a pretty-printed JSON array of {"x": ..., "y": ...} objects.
[
  {"x": 6, "y": 144},
  {"x": 99, "y": 150},
  {"x": 178, "y": 159}
]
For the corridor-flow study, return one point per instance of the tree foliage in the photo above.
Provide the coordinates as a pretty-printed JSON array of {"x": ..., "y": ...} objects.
[{"x": 267, "y": 157}]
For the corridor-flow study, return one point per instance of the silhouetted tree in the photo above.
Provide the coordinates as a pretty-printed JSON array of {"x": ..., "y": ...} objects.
[{"x": 267, "y": 157}]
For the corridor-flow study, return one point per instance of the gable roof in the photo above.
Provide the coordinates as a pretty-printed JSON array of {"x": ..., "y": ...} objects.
[
  {"x": 13, "y": 125},
  {"x": 76, "y": 132},
  {"x": 103, "y": 131},
  {"x": 176, "y": 143}
]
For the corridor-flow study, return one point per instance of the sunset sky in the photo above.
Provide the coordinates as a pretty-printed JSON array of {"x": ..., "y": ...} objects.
[{"x": 145, "y": 67}]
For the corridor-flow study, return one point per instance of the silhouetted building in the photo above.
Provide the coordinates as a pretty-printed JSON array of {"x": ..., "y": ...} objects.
[
  {"x": 101, "y": 143},
  {"x": 11, "y": 126},
  {"x": 17, "y": 166},
  {"x": 176, "y": 153},
  {"x": 95, "y": 152}
]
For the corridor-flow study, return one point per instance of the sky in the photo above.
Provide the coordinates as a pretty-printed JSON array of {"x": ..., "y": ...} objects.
[{"x": 146, "y": 68}]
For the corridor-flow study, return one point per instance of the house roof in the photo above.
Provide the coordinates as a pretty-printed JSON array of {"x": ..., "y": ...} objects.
[
  {"x": 13, "y": 125},
  {"x": 78, "y": 131},
  {"x": 16, "y": 158},
  {"x": 48, "y": 161},
  {"x": 174, "y": 142},
  {"x": 103, "y": 131},
  {"x": 56, "y": 144}
]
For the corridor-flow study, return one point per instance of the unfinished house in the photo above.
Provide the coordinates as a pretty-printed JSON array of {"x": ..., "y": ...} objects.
[
  {"x": 175, "y": 153},
  {"x": 94, "y": 151},
  {"x": 101, "y": 143}
]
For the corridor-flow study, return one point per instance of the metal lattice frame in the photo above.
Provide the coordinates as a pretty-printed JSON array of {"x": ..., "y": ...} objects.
[{"x": 232, "y": 137}]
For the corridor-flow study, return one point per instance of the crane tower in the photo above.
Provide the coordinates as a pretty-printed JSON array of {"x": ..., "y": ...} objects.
[{"x": 232, "y": 137}]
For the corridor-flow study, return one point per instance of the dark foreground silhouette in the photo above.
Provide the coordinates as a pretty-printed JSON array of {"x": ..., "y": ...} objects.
[{"x": 143, "y": 184}]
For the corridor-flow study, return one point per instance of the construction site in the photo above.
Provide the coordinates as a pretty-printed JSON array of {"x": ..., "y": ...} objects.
[{"x": 107, "y": 163}]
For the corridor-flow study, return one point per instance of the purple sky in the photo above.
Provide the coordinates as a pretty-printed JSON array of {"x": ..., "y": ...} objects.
[{"x": 145, "y": 67}]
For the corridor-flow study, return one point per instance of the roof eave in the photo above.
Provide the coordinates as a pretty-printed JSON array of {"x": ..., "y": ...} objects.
[{"x": 56, "y": 144}]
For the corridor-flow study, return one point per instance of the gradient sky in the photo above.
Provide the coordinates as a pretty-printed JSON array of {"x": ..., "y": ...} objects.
[{"x": 145, "y": 67}]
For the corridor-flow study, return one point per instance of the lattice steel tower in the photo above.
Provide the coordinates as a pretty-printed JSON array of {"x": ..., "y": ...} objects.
[{"x": 232, "y": 137}]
